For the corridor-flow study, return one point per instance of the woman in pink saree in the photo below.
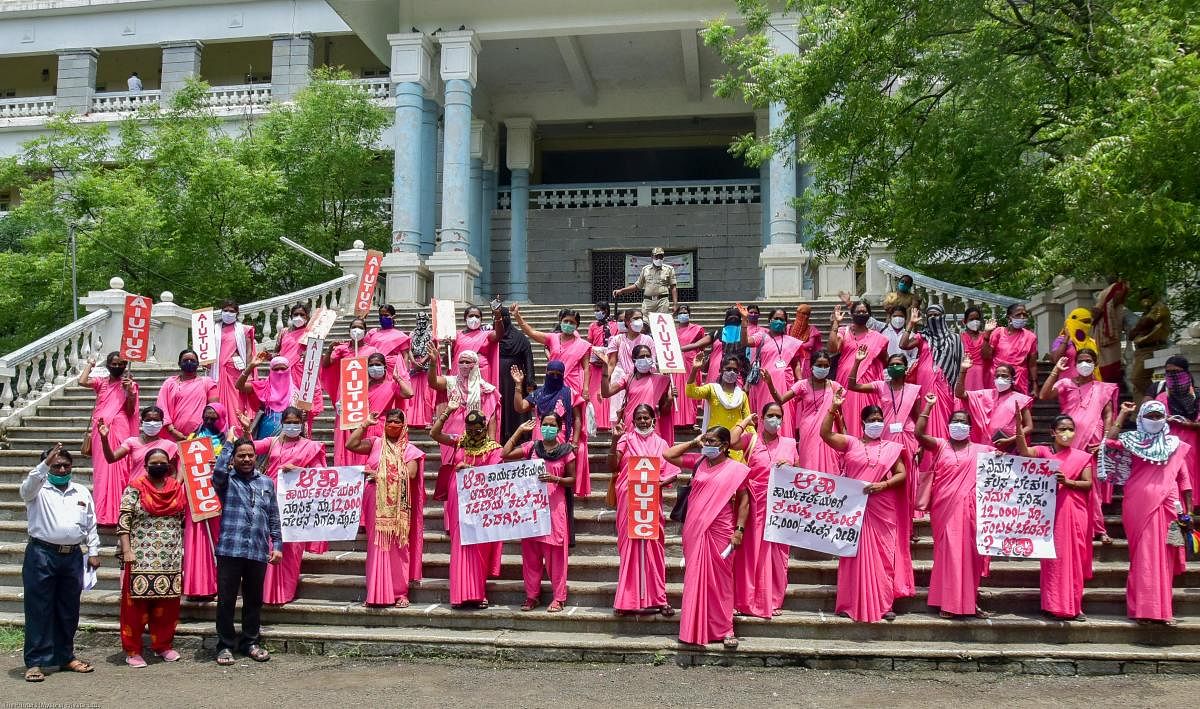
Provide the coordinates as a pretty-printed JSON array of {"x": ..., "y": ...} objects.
[
  {"x": 117, "y": 405},
  {"x": 718, "y": 506},
  {"x": 846, "y": 341},
  {"x": 1177, "y": 392},
  {"x": 814, "y": 397},
  {"x": 1158, "y": 478},
  {"x": 1015, "y": 346},
  {"x": 690, "y": 334},
  {"x": 183, "y": 397},
  {"x": 238, "y": 350},
  {"x": 642, "y": 573},
  {"x": 472, "y": 394},
  {"x": 949, "y": 496},
  {"x": 780, "y": 360},
  {"x": 484, "y": 343},
  {"x": 293, "y": 345},
  {"x": 996, "y": 412},
  {"x": 1063, "y": 576}
]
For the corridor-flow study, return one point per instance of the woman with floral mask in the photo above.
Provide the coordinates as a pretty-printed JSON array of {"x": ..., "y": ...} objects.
[
  {"x": 117, "y": 404},
  {"x": 184, "y": 396},
  {"x": 1089, "y": 402},
  {"x": 869, "y": 583},
  {"x": 484, "y": 343},
  {"x": 715, "y": 525},
  {"x": 1063, "y": 576},
  {"x": 690, "y": 336},
  {"x": 845, "y": 341},
  {"x": 949, "y": 496},
  {"x": 150, "y": 437},
  {"x": 1158, "y": 490},
  {"x": 725, "y": 403},
  {"x": 814, "y": 397},
  {"x": 472, "y": 394},
  {"x": 974, "y": 336},
  {"x": 998, "y": 411},
  {"x": 1015, "y": 345},
  {"x": 1177, "y": 392},
  {"x": 238, "y": 351},
  {"x": 643, "y": 386},
  {"x": 642, "y": 572},
  {"x": 778, "y": 356}
]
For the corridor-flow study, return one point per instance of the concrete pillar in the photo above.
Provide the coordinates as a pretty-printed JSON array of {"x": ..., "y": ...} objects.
[
  {"x": 429, "y": 149},
  {"x": 762, "y": 130},
  {"x": 475, "y": 208},
  {"x": 180, "y": 62},
  {"x": 412, "y": 75},
  {"x": 76, "y": 81},
  {"x": 1046, "y": 313},
  {"x": 170, "y": 329},
  {"x": 877, "y": 281},
  {"x": 519, "y": 158},
  {"x": 1076, "y": 294},
  {"x": 291, "y": 62},
  {"x": 112, "y": 300}
]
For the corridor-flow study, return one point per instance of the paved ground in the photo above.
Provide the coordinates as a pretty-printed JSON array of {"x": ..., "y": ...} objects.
[{"x": 197, "y": 682}]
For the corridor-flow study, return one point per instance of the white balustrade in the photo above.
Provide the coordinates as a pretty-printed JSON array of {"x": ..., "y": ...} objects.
[
  {"x": 636, "y": 194},
  {"x": 239, "y": 95},
  {"x": 953, "y": 298},
  {"x": 40, "y": 367},
  {"x": 30, "y": 107},
  {"x": 124, "y": 101},
  {"x": 270, "y": 316},
  {"x": 376, "y": 88}
]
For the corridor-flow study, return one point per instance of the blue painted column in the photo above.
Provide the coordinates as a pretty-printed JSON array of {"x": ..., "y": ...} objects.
[
  {"x": 456, "y": 167},
  {"x": 475, "y": 237},
  {"x": 408, "y": 168},
  {"x": 782, "y": 179},
  {"x": 764, "y": 196},
  {"x": 429, "y": 118},
  {"x": 486, "y": 207},
  {"x": 804, "y": 182},
  {"x": 518, "y": 265}
]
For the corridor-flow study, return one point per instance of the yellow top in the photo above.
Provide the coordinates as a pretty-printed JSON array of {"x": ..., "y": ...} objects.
[{"x": 718, "y": 414}]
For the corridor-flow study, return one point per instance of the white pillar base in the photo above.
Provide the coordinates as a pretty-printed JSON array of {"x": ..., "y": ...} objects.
[
  {"x": 407, "y": 279},
  {"x": 877, "y": 285},
  {"x": 172, "y": 335},
  {"x": 783, "y": 268},
  {"x": 833, "y": 278},
  {"x": 454, "y": 274}
]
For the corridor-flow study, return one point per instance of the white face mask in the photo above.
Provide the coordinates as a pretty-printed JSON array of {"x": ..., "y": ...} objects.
[
  {"x": 897, "y": 322},
  {"x": 473, "y": 323},
  {"x": 643, "y": 364},
  {"x": 1152, "y": 425},
  {"x": 298, "y": 321},
  {"x": 974, "y": 325},
  {"x": 873, "y": 429},
  {"x": 228, "y": 318},
  {"x": 635, "y": 324},
  {"x": 292, "y": 430},
  {"x": 644, "y": 431},
  {"x": 1085, "y": 369},
  {"x": 657, "y": 261},
  {"x": 1018, "y": 323},
  {"x": 820, "y": 372},
  {"x": 151, "y": 428},
  {"x": 729, "y": 377},
  {"x": 1003, "y": 384},
  {"x": 773, "y": 423},
  {"x": 959, "y": 431},
  {"x": 599, "y": 316},
  {"x": 357, "y": 333},
  {"x": 376, "y": 371}
]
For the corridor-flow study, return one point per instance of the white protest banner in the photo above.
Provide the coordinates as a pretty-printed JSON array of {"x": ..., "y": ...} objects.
[
  {"x": 666, "y": 344},
  {"x": 206, "y": 336},
  {"x": 1014, "y": 506},
  {"x": 306, "y": 397},
  {"x": 501, "y": 502},
  {"x": 319, "y": 326},
  {"x": 814, "y": 510},
  {"x": 443, "y": 319},
  {"x": 682, "y": 263},
  {"x": 320, "y": 504}
]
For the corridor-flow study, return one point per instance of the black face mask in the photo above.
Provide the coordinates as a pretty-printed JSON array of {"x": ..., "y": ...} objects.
[
  {"x": 861, "y": 318},
  {"x": 210, "y": 426},
  {"x": 116, "y": 372},
  {"x": 189, "y": 366},
  {"x": 158, "y": 470}
]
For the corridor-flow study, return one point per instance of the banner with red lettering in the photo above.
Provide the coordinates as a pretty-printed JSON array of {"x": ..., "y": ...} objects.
[
  {"x": 206, "y": 336},
  {"x": 353, "y": 387},
  {"x": 319, "y": 326},
  {"x": 367, "y": 282},
  {"x": 135, "y": 336},
  {"x": 196, "y": 456},
  {"x": 814, "y": 510},
  {"x": 320, "y": 504},
  {"x": 310, "y": 374},
  {"x": 645, "y": 497},
  {"x": 1014, "y": 506},
  {"x": 501, "y": 502},
  {"x": 666, "y": 344}
]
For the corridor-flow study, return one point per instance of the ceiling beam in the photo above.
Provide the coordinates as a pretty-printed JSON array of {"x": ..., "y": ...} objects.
[
  {"x": 690, "y": 42},
  {"x": 581, "y": 76}
]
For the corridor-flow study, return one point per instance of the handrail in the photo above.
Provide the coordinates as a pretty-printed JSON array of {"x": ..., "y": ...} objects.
[
  {"x": 270, "y": 315},
  {"x": 37, "y": 369},
  {"x": 941, "y": 291}
]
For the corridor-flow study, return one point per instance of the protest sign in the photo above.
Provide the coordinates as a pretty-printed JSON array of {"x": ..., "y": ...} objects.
[
  {"x": 196, "y": 454},
  {"x": 206, "y": 336},
  {"x": 320, "y": 504},
  {"x": 666, "y": 344},
  {"x": 683, "y": 264},
  {"x": 135, "y": 334},
  {"x": 367, "y": 282},
  {"x": 645, "y": 497},
  {"x": 442, "y": 312},
  {"x": 814, "y": 510},
  {"x": 502, "y": 502},
  {"x": 319, "y": 326},
  {"x": 352, "y": 384},
  {"x": 1014, "y": 506},
  {"x": 306, "y": 397}
]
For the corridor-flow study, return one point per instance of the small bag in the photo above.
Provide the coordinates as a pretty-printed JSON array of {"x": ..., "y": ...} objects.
[
  {"x": 754, "y": 376},
  {"x": 1175, "y": 534},
  {"x": 679, "y": 510}
]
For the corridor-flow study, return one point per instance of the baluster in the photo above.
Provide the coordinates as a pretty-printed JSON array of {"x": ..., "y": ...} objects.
[
  {"x": 56, "y": 367},
  {"x": 6, "y": 396},
  {"x": 23, "y": 381}
]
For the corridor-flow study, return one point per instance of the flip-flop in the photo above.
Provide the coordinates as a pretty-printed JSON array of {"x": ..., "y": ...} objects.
[
  {"x": 666, "y": 610},
  {"x": 402, "y": 602},
  {"x": 530, "y": 604},
  {"x": 555, "y": 607},
  {"x": 730, "y": 643},
  {"x": 80, "y": 666},
  {"x": 34, "y": 674},
  {"x": 256, "y": 653}
]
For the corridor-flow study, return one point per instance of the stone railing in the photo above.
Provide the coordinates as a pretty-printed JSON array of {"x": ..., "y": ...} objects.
[
  {"x": 953, "y": 298},
  {"x": 124, "y": 101},
  {"x": 270, "y": 316},
  {"x": 636, "y": 194},
  {"x": 42, "y": 366},
  {"x": 31, "y": 107},
  {"x": 239, "y": 95},
  {"x": 376, "y": 88},
  {"x": 726, "y": 192}
]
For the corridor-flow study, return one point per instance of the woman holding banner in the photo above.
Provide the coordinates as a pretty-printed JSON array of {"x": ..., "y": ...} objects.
[
  {"x": 474, "y": 447},
  {"x": 184, "y": 396},
  {"x": 552, "y": 550},
  {"x": 642, "y": 574},
  {"x": 393, "y": 508},
  {"x": 1062, "y": 577},
  {"x": 199, "y": 538},
  {"x": 136, "y": 447},
  {"x": 473, "y": 394},
  {"x": 294, "y": 345},
  {"x": 760, "y": 567},
  {"x": 1157, "y": 493},
  {"x": 238, "y": 351},
  {"x": 814, "y": 397},
  {"x": 331, "y": 369},
  {"x": 949, "y": 496},
  {"x": 996, "y": 411},
  {"x": 718, "y": 506},
  {"x": 870, "y": 582},
  {"x": 384, "y": 393},
  {"x": 117, "y": 404},
  {"x": 643, "y": 386}
]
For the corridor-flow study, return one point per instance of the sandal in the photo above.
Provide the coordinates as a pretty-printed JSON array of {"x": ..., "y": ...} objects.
[
  {"x": 256, "y": 653},
  {"x": 530, "y": 604},
  {"x": 947, "y": 615},
  {"x": 402, "y": 602},
  {"x": 982, "y": 614},
  {"x": 78, "y": 665},
  {"x": 1106, "y": 540},
  {"x": 777, "y": 612},
  {"x": 889, "y": 616},
  {"x": 666, "y": 611},
  {"x": 34, "y": 674},
  {"x": 225, "y": 657},
  {"x": 484, "y": 605},
  {"x": 730, "y": 643},
  {"x": 555, "y": 607}
]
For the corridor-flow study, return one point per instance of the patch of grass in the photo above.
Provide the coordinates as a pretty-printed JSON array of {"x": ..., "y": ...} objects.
[{"x": 12, "y": 638}]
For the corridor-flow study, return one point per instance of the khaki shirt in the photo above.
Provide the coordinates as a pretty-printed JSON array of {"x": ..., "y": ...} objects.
[{"x": 656, "y": 281}]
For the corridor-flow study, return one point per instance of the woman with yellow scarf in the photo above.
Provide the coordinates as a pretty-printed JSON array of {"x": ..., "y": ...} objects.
[{"x": 1076, "y": 335}]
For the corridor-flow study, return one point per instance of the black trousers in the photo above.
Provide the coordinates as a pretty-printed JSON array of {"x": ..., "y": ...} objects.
[
  {"x": 233, "y": 574},
  {"x": 52, "y": 583}
]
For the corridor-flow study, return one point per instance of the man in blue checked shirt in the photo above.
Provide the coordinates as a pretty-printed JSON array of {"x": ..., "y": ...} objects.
[{"x": 250, "y": 539}]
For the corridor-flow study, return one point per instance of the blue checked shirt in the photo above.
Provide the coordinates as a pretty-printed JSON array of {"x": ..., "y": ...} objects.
[{"x": 249, "y": 512}]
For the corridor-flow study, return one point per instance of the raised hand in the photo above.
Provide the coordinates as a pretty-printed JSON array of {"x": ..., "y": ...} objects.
[
  {"x": 618, "y": 429},
  {"x": 101, "y": 427},
  {"x": 839, "y": 397},
  {"x": 838, "y": 315},
  {"x": 517, "y": 375},
  {"x": 742, "y": 311},
  {"x": 514, "y": 310},
  {"x": 861, "y": 353},
  {"x": 914, "y": 315},
  {"x": 1127, "y": 407},
  {"x": 845, "y": 297},
  {"x": 967, "y": 362},
  {"x": 528, "y": 426},
  {"x": 990, "y": 325},
  {"x": 372, "y": 418},
  {"x": 453, "y": 404},
  {"x": 262, "y": 356},
  {"x": 930, "y": 399},
  {"x": 1061, "y": 364}
]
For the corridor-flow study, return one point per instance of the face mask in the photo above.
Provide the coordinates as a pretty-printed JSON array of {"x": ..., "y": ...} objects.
[
  {"x": 466, "y": 367},
  {"x": 599, "y": 316},
  {"x": 386, "y": 322},
  {"x": 873, "y": 429},
  {"x": 777, "y": 326},
  {"x": 158, "y": 470},
  {"x": 635, "y": 324},
  {"x": 568, "y": 328},
  {"x": 116, "y": 372},
  {"x": 1003, "y": 384},
  {"x": 376, "y": 371},
  {"x": 896, "y": 371},
  {"x": 549, "y": 433},
  {"x": 657, "y": 262},
  {"x": 710, "y": 452},
  {"x": 59, "y": 480},
  {"x": 394, "y": 430},
  {"x": 902, "y": 287},
  {"x": 151, "y": 428},
  {"x": 820, "y": 372},
  {"x": 1018, "y": 323},
  {"x": 644, "y": 431},
  {"x": 1152, "y": 425},
  {"x": 357, "y": 333},
  {"x": 643, "y": 364},
  {"x": 860, "y": 319},
  {"x": 189, "y": 366},
  {"x": 228, "y": 318},
  {"x": 731, "y": 334},
  {"x": 752, "y": 317},
  {"x": 298, "y": 321},
  {"x": 1085, "y": 369},
  {"x": 897, "y": 322},
  {"x": 773, "y": 423},
  {"x": 1064, "y": 438},
  {"x": 683, "y": 318},
  {"x": 473, "y": 323},
  {"x": 621, "y": 327},
  {"x": 729, "y": 376},
  {"x": 959, "y": 431},
  {"x": 974, "y": 325},
  {"x": 292, "y": 430}
]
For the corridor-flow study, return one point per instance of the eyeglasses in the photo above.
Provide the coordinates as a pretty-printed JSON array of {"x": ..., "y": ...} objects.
[{"x": 60, "y": 466}]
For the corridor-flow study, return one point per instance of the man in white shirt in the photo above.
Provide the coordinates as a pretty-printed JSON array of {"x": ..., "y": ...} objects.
[
  {"x": 61, "y": 517},
  {"x": 134, "y": 82}
]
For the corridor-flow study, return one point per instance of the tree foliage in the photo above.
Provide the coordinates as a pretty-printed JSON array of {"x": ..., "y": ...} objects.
[
  {"x": 178, "y": 199},
  {"x": 1029, "y": 139}
]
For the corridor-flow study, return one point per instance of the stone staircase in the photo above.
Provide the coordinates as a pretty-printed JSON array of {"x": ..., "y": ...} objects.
[{"x": 328, "y": 615}]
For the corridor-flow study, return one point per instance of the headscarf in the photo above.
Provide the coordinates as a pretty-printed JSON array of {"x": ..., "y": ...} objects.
[
  {"x": 470, "y": 389},
  {"x": 280, "y": 389},
  {"x": 1181, "y": 392},
  {"x": 1078, "y": 329},
  {"x": 421, "y": 336},
  {"x": 167, "y": 502},
  {"x": 392, "y": 503},
  {"x": 799, "y": 328},
  {"x": 554, "y": 397},
  {"x": 945, "y": 346},
  {"x": 217, "y": 437},
  {"x": 514, "y": 344},
  {"x": 477, "y": 444},
  {"x": 1151, "y": 447}
]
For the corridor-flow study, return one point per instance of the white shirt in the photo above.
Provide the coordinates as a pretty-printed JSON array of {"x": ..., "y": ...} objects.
[
  {"x": 66, "y": 517},
  {"x": 134, "y": 83}
]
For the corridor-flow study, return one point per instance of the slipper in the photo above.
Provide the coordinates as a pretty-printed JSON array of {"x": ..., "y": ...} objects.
[
  {"x": 530, "y": 604},
  {"x": 483, "y": 605},
  {"x": 555, "y": 607},
  {"x": 136, "y": 661},
  {"x": 78, "y": 665},
  {"x": 402, "y": 602},
  {"x": 169, "y": 655},
  {"x": 889, "y": 616},
  {"x": 34, "y": 674},
  {"x": 225, "y": 657},
  {"x": 730, "y": 643},
  {"x": 947, "y": 615},
  {"x": 256, "y": 653},
  {"x": 666, "y": 610},
  {"x": 982, "y": 615}
]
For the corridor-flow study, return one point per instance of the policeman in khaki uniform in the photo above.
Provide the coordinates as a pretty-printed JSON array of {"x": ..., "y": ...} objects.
[{"x": 658, "y": 283}]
